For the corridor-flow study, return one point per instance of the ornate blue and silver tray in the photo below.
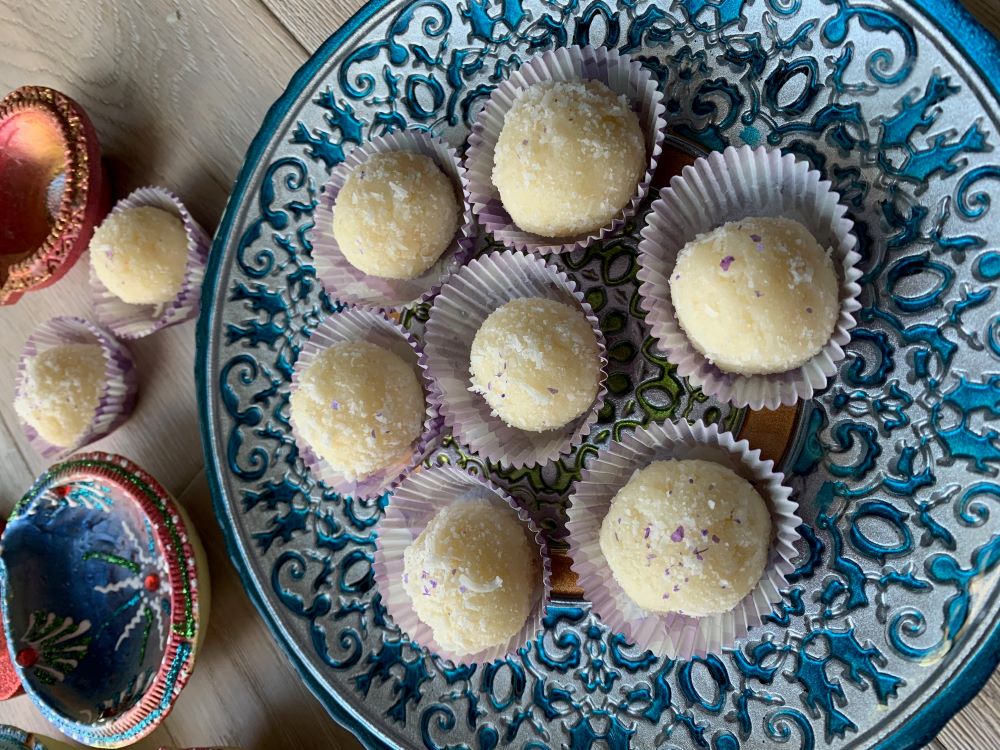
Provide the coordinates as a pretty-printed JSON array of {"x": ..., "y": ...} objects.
[{"x": 890, "y": 622}]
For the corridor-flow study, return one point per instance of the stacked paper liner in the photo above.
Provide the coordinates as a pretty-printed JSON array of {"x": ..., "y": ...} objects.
[
  {"x": 465, "y": 301},
  {"x": 118, "y": 393},
  {"x": 130, "y": 321},
  {"x": 366, "y": 325}
]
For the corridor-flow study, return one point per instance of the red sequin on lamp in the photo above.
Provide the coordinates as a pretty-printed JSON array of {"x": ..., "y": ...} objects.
[
  {"x": 26, "y": 657},
  {"x": 53, "y": 190}
]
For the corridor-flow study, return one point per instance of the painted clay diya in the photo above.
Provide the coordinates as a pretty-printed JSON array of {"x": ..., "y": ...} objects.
[
  {"x": 105, "y": 598},
  {"x": 12, "y": 738},
  {"x": 53, "y": 190},
  {"x": 10, "y": 681}
]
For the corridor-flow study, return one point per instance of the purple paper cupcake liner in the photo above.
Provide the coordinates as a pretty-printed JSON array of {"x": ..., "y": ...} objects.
[
  {"x": 465, "y": 301},
  {"x": 728, "y": 186},
  {"x": 621, "y": 74},
  {"x": 118, "y": 395},
  {"x": 130, "y": 321},
  {"x": 357, "y": 324},
  {"x": 412, "y": 506},
  {"x": 350, "y": 285},
  {"x": 676, "y": 635}
]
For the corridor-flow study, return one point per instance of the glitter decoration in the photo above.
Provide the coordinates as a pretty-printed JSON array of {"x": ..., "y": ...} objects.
[{"x": 146, "y": 614}]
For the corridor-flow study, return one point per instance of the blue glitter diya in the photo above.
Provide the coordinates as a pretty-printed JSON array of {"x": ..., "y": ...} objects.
[
  {"x": 12, "y": 738},
  {"x": 104, "y": 598}
]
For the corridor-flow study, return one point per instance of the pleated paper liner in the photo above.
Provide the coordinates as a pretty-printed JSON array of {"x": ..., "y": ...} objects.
[
  {"x": 413, "y": 505},
  {"x": 348, "y": 284},
  {"x": 676, "y": 635},
  {"x": 118, "y": 393},
  {"x": 621, "y": 74},
  {"x": 728, "y": 186},
  {"x": 129, "y": 321},
  {"x": 357, "y": 324},
  {"x": 465, "y": 301}
]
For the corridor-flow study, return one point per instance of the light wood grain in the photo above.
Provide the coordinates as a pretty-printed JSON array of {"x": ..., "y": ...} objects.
[
  {"x": 165, "y": 363},
  {"x": 177, "y": 89},
  {"x": 310, "y": 22},
  {"x": 987, "y": 12}
]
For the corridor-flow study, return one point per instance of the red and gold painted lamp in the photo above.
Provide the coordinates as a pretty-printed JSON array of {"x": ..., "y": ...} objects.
[
  {"x": 53, "y": 190},
  {"x": 104, "y": 598}
]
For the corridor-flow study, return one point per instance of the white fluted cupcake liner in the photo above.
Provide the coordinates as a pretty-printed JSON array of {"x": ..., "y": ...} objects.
[
  {"x": 119, "y": 391},
  {"x": 675, "y": 635},
  {"x": 728, "y": 186},
  {"x": 130, "y": 321},
  {"x": 412, "y": 506},
  {"x": 355, "y": 324},
  {"x": 346, "y": 283},
  {"x": 465, "y": 301},
  {"x": 621, "y": 74}
]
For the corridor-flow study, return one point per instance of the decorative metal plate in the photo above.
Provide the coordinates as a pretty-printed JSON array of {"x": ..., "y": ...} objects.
[{"x": 888, "y": 625}]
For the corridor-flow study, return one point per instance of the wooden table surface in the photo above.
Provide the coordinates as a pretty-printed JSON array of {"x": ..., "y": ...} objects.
[{"x": 177, "y": 88}]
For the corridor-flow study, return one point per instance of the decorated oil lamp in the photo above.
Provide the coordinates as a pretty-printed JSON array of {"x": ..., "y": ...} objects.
[{"x": 53, "y": 190}]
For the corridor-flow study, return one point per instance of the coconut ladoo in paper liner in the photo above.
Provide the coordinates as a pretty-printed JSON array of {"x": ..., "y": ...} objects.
[
  {"x": 566, "y": 65},
  {"x": 465, "y": 302},
  {"x": 75, "y": 383},
  {"x": 347, "y": 283},
  {"x": 677, "y": 635},
  {"x": 735, "y": 185},
  {"x": 131, "y": 321},
  {"x": 363, "y": 333},
  {"x": 461, "y": 592}
]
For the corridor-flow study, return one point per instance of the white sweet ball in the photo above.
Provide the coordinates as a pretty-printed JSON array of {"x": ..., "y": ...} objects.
[
  {"x": 395, "y": 215},
  {"x": 61, "y": 391},
  {"x": 569, "y": 157},
  {"x": 473, "y": 575},
  {"x": 687, "y": 536},
  {"x": 756, "y": 296},
  {"x": 358, "y": 406},
  {"x": 140, "y": 255},
  {"x": 537, "y": 363}
]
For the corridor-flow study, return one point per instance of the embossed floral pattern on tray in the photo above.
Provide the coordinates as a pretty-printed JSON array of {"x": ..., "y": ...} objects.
[{"x": 894, "y": 465}]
